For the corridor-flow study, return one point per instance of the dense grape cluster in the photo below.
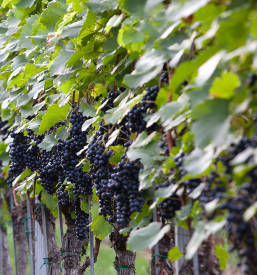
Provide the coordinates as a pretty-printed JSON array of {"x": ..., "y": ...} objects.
[
  {"x": 168, "y": 207},
  {"x": 109, "y": 100},
  {"x": 134, "y": 120},
  {"x": 3, "y": 127},
  {"x": 81, "y": 222},
  {"x": 100, "y": 170},
  {"x": 62, "y": 195},
  {"x": 68, "y": 150},
  {"x": 32, "y": 158},
  {"x": 240, "y": 233},
  {"x": 18, "y": 149},
  {"x": 50, "y": 169},
  {"x": 124, "y": 184}
]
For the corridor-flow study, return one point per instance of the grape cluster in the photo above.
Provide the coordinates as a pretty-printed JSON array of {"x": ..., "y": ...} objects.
[
  {"x": 68, "y": 150},
  {"x": 3, "y": 127},
  {"x": 110, "y": 100},
  {"x": 164, "y": 145},
  {"x": 81, "y": 222},
  {"x": 168, "y": 207},
  {"x": 50, "y": 169},
  {"x": 134, "y": 120},
  {"x": 100, "y": 170},
  {"x": 240, "y": 233},
  {"x": 18, "y": 149},
  {"x": 32, "y": 158},
  {"x": 124, "y": 184},
  {"x": 165, "y": 77},
  {"x": 62, "y": 195}
]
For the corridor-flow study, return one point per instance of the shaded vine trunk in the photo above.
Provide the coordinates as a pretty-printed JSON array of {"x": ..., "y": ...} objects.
[
  {"x": 124, "y": 260},
  {"x": 208, "y": 262},
  {"x": 82, "y": 267},
  {"x": 166, "y": 266},
  {"x": 19, "y": 213},
  {"x": 71, "y": 247},
  {"x": 7, "y": 268},
  {"x": 52, "y": 246}
]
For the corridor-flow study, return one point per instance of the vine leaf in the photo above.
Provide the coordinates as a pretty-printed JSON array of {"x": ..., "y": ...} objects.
[
  {"x": 99, "y": 226},
  {"x": 224, "y": 86},
  {"x": 54, "y": 115},
  {"x": 175, "y": 254},
  {"x": 47, "y": 143},
  {"x": 146, "y": 237},
  {"x": 211, "y": 124},
  {"x": 222, "y": 255}
]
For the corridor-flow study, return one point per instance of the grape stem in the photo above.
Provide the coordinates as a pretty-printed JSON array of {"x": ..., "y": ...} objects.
[{"x": 14, "y": 197}]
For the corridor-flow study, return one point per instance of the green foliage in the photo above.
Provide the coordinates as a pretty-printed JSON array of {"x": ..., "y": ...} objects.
[
  {"x": 54, "y": 114},
  {"x": 99, "y": 225},
  {"x": 222, "y": 255},
  {"x": 57, "y": 53}
]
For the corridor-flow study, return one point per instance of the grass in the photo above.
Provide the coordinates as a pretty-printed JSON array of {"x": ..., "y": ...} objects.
[{"x": 104, "y": 265}]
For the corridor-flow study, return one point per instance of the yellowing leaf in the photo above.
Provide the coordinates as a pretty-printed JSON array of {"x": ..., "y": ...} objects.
[
  {"x": 222, "y": 255},
  {"x": 175, "y": 254},
  {"x": 224, "y": 86}
]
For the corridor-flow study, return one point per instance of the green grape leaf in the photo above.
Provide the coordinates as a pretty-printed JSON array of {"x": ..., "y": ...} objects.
[
  {"x": 146, "y": 237},
  {"x": 52, "y": 14},
  {"x": 53, "y": 115},
  {"x": 99, "y": 225},
  {"x": 48, "y": 142},
  {"x": 175, "y": 254},
  {"x": 211, "y": 125},
  {"x": 224, "y": 86},
  {"x": 222, "y": 255}
]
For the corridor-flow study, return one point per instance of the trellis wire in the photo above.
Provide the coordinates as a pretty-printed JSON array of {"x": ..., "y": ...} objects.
[
  {"x": 13, "y": 235},
  {"x": 91, "y": 236},
  {"x": 30, "y": 236},
  {"x": 156, "y": 248}
]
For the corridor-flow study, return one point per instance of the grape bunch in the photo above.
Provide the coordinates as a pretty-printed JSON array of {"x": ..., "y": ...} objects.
[
  {"x": 18, "y": 149},
  {"x": 124, "y": 184},
  {"x": 240, "y": 232},
  {"x": 32, "y": 157},
  {"x": 81, "y": 222},
  {"x": 134, "y": 120},
  {"x": 68, "y": 150},
  {"x": 62, "y": 195},
  {"x": 110, "y": 100},
  {"x": 165, "y": 77},
  {"x": 3, "y": 127},
  {"x": 100, "y": 170},
  {"x": 50, "y": 169},
  {"x": 168, "y": 207}
]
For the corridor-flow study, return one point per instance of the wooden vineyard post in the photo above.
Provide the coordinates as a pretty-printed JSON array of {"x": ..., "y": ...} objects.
[
  {"x": 91, "y": 236},
  {"x": 13, "y": 235},
  {"x": 182, "y": 237},
  {"x": 156, "y": 248},
  {"x": 28, "y": 228},
  {"x": 45, "y": 238},
  {"x": 60, "y": 222},
  {"x": 1, "y": 249}
]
